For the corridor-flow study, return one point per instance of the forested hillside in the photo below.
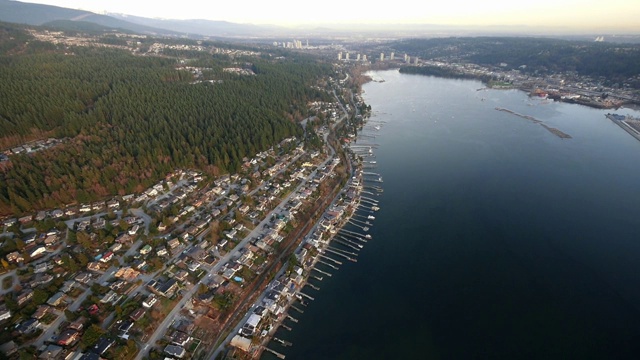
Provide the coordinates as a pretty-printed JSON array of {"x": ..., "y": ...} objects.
[
  {"x": 614, "y": 62},
  {"x": 129, "y": 120}
]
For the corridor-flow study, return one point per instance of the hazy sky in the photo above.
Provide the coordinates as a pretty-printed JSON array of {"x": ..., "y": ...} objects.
[{"x": 574, "y": 14}]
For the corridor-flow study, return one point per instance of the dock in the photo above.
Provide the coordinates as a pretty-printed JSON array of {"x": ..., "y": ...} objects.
[
  {"x": 292, "y": 318},
  {"x": 313, "y": 286},
  {"x": 326, "y": 257},
  {"x": 305, "y": 295},
  {"x": 342, "y": 255},
  {"x": 283, "y": 342},
  {"x": 280, "y": 356},
  {"x": 341, "y": 242},
  {"x": 322, "y": 272},
  {"x": 342, "y": 251}
]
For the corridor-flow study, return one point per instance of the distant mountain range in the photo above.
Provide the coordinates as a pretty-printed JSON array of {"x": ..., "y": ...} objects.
[
  {"x": 201, "y": 27},
  {"x": 38, "y": 14}
]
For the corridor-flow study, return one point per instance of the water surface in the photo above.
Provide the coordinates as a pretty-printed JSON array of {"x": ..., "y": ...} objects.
[{"x": 496, "y": 238}]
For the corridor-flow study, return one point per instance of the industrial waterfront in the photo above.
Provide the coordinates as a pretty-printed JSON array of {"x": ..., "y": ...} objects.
[{"x": 493, "y": 237}]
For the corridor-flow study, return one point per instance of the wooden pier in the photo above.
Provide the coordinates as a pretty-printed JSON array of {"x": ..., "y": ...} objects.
[
  {"x": 280, "y": 356},
  {"x": 322, "y": 272},
  {"x": 283, "y": 342},
  {"x": 305, "y": 295}
]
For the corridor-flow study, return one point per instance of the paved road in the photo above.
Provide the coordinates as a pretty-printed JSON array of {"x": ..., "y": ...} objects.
[
  {"x": 146, "y": 218},
  {"x": 53, "y": 327},
  {"x": 215, "y": 268},
  {"x": 239, "y": 324}
]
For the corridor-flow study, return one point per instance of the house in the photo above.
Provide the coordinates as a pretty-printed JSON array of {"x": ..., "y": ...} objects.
[
  {"x": 137, "y": 315},
  {"x": 175, "y": 351},
  {"x": 15, "y": 257},
  {"x": 150, "y": 301},
  {"x": 78, "y": 324},
  {"x": 41, "y": 215},
  {"x": 113, "y": 204},
  {"x": 40, "y": 268},
  {"x": 28, "y": 326},
  {"x": 118, "y": 285},
  {"x": 41, "y": 312},
  {"x": 93, "y": 309},
  {"x": 115, "y": 247},
  {"x": 68, "y": 337},
  {"x": 90, "y": 356},
  {"x": 24, "y": 297},
  {"x": 107, "y": 257},
  {"x": 241, "y": 343},
  {"x": 167, "y": 288},
  {"x": 8, "y": 349},
  {"x": 67, "y": 286},
  {"x": 173, "y": 243},
  {"x": 181, "y": 275},
  {"x": 98, "y": 205},
  {"x": 102, "y": 345},
  {"x": 51, "y": 352},
  {"x": 29, "y": 238},
  {"x": 56, "y": 214},
  {"x": 25, "y": 219},
  {"x": 134, "y": 229},
  {"x": 125, "y": 326},
  {"x": 99, "y": 223},
  {"x": 4, "y": 313},
  {"x": 94, "y": 266},
  {"x": 108, "y": 297},
  {"x": 140, "y": 264},
  {"x": 179, "y": 338},
  {"x": 37, "y": 251},
  {"x": 162, "y": 251},
  {"x": 56, "y": 299},
  {"x": 124, "y": 239},
  {"x": 83, "y": 278},
  {"x": 145, "y": 250}
]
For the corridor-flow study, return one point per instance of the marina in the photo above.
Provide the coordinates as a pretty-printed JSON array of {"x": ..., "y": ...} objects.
[{"x": 332, "y": 240}]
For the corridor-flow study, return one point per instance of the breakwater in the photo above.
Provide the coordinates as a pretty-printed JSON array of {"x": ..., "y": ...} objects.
[{"x": 557, "y": 132}]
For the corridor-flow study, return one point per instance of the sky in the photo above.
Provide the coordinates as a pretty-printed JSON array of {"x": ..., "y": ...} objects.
[{"x": 613, "y": 15}]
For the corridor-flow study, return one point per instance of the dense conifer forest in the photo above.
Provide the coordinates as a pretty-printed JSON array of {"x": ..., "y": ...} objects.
[{"x": 129, "y": 120}]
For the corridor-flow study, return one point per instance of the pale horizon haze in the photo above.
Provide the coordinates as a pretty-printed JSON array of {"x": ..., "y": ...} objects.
[{"x": 582, "y": 15}]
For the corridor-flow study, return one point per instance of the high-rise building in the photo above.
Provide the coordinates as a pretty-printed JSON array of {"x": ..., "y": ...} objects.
[
  {"x": 364, "y": 57},
  {"x": 358, "y": 57},
  {"x": 416, "y": 60},
  {"x": 340, "y": 56},
  {"x": 347, "y": 58},
  {"x": 406, "y": 58},
  {"x": 391, "y": 56},
  {"x": 381, "y": 56}
]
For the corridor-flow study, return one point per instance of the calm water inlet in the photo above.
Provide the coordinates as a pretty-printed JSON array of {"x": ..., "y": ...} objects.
[{"x": 495, "y": 238}]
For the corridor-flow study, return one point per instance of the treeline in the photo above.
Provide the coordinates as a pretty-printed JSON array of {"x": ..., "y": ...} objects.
[
  {"x": 441, "y": 72},
  {"x": 614, "y": 62},
  {"x": 131, "y": 120}
]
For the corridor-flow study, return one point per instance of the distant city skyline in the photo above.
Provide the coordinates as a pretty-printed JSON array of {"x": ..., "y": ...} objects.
[{"x": 572, "y": 15}]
